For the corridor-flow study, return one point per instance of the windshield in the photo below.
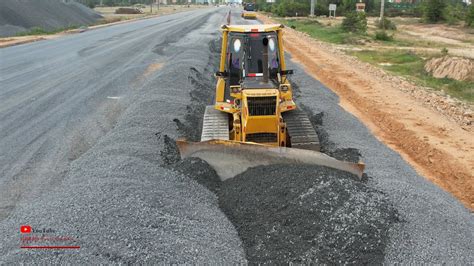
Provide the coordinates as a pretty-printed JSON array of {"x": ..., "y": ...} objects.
[{"x": 245, "y": 57}]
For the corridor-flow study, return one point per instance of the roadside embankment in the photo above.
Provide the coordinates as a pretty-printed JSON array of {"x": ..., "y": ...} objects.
[{"x": 438, "y": 145}]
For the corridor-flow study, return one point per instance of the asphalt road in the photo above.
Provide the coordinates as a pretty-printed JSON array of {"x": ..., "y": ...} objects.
[
  {"x": 58, "y": 97},
  {"x": 84, "y": 121},
  {"x": 87, "y": 124}
]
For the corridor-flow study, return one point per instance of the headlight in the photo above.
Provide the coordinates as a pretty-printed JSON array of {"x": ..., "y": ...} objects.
[
  {"x": 235, "y": 89},
  {"x": 284, "y": 88}
]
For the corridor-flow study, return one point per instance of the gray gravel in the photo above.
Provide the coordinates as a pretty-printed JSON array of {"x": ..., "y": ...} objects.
[
  {"x": 105, "y": 171},
  {"x": 114, "y": 197},
  {"x": 20, "y": 15},
  {"x": 307, "y": 214}
]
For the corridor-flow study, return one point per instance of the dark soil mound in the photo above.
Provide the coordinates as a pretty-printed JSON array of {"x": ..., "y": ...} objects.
[
  {"x": 307, "y": 214},
  {"x": 128, "y": 10},
  {"x": 17, "y": 16}
]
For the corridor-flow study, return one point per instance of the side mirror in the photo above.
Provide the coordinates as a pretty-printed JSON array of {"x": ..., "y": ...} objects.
[
  {"x": 286, "y": 72},
  {"x": 221, "y": 74}
]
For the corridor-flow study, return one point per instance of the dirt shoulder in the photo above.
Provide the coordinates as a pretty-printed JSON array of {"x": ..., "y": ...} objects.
[
  {"x": 398, "y": 113},
  {"x": 11, "y": 41}
]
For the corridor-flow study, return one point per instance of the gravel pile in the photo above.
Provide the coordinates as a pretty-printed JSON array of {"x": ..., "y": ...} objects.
[
  {"x": 302, "y": 214},
  {"x": 307, "y": 214},
  {"x": 17, "y": 16}
]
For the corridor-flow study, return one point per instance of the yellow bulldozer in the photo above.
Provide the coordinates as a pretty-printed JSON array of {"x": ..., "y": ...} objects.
[
  {"x": 254, "y": 120},
  {"x": 249, "y": 11}
]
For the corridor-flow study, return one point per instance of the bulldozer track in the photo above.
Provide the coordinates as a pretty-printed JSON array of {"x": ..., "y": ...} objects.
[
  {"x": 215, "y": 125},
  {"x": 301, "y": 131}
]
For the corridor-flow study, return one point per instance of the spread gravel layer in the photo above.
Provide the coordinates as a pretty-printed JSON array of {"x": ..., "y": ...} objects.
[{"x": 117, "y": 200}]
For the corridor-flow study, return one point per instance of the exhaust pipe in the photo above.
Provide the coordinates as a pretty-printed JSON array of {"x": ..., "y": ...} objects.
[{"x": 265, "y": 60}]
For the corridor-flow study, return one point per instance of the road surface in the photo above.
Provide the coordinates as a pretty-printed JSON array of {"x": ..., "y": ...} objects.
[{"x": 59, "y": 97}]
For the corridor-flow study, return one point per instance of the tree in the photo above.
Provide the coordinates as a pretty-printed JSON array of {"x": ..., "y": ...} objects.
[
  {"x": 470, "y": 16},
  {"x": 454, "y": 13},
  {"x": 433, "y": 10},
  {"x": 355, "y": 22},
  {"x": 90, "y": 3},
  {"x": 289, "y": 8}
]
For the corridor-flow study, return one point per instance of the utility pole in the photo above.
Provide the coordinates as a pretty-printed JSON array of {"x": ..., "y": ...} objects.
[
  {"x": 382, "y": 9},
  {"x": 151, "y": 6},
  {"x": 313, "y": 3}
]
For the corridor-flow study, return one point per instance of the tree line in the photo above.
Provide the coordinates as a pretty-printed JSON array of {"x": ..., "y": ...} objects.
[{"x": 429, "y": 10}]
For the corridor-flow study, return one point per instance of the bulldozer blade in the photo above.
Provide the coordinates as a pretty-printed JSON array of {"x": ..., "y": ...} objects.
[{"x": 230, "y": 158}]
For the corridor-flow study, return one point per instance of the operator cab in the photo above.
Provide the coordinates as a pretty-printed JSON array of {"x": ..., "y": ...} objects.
[
  {"x": 249, "y": 7},
  {"x": 248, "y": 54}
]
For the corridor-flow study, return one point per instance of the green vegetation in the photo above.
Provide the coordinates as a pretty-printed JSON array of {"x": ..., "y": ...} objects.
[
  {"x": 411, "y": 66},
  {"x": 291, "y": 9},
  {"x": 449, "y": 11},
  {"x": 355, "y": 22},
  {"x": 385, "y": 24},
  {"x": 321, "y": 8},
  {"x": 470, "y": 16},
  {"x": 352, "y": 30},
  {"x": 444, "y": 51},
  {"x": 324, "y": 33},
  {"x": 337, "y": 35},
  {"x": 41, "y": 31},
  {"x": 453, "y": 14},
  {"x": 382, "y": 36},
  {"x": 433, "y": 10}
]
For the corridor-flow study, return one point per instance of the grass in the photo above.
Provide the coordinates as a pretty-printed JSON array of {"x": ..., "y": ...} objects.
[
  {"x": 411, "y": 66},
  {"x": 334, "y": 33},
  {"x": 41, "y": 31},
  {"x": 331, "y": 34}
]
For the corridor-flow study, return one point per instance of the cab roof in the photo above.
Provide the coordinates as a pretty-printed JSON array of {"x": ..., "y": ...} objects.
[{"x": 253, "y": 28}]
